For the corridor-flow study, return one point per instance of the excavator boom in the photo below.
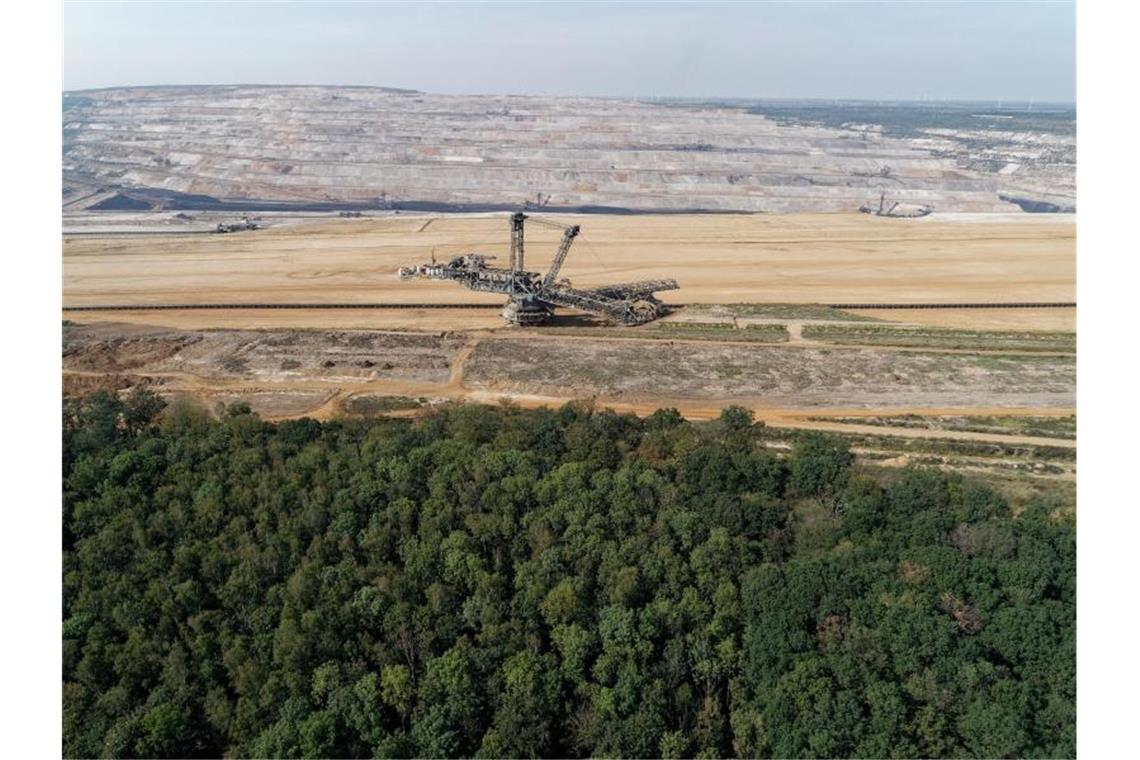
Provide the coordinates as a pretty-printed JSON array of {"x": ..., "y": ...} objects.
[
  {"x": 560, "y": 255},
  {"x": 532, "y": 296}
]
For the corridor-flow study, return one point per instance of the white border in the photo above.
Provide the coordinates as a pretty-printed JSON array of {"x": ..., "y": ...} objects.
[
  {"x": 30, "y": 545},
  {"x": 1107, "y": 320},
  {"x": 1108, "y": 205}
]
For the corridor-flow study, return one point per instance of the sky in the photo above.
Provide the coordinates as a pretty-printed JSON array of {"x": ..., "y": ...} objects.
[{"x": 853, "y": 50}]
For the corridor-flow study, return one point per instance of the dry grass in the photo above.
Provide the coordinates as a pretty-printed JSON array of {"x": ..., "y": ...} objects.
[
  {"x": 781, "y": 311},
  {"x": 989, "y": 340},
  {"x": 1043, "y": 427},
  {"x": 780, "y": 375},
  {"x": 714, "y": 331}
]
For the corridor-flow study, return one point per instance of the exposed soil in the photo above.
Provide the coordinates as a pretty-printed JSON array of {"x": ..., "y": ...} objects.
[
  {"x": 539, "y": 368},
  {"x": 983, "y": 319},
  {"x": 717, "y": 259},
  {"x": 82, "y": 384},
  {"x": 251, "y": 147},
  {"x": 762, "y": 269},
  {"x": 329, "y": 373},
  {"x": 120, "y": 353},
  {"x": 312, "y": 319},
  {"x": 264, "y": 355},
  {"x": 802, "y": 377},
  {"x": 274, "y": 404}
]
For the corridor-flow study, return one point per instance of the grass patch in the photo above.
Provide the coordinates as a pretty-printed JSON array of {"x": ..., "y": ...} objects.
[
  {"x": 886, "y": 335},
  {"x": 712, "y": 331},
  {"x": 692, "y": 326},
  {"x": 1041, "y": 427},
  {"x": 371, "y": 405},
  {"x": 807, "y": 311},
  {"x": 943, "y": 447},
  {"x": 772, "y": 333}
]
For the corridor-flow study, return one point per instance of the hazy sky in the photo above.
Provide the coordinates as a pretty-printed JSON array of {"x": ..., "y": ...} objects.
[{"x": 901, "y": 50}]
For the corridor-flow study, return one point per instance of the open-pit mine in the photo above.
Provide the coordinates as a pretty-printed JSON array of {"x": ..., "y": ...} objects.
[
  {"x": 953, "y": 329},
  {"x": 331, "y": 148}
]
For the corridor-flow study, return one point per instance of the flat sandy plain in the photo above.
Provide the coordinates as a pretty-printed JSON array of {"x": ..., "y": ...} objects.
[{"x": 730, "y": 258}]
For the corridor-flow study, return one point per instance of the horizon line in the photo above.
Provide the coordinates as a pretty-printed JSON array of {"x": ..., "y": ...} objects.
[{"x": 412, "y": 91}]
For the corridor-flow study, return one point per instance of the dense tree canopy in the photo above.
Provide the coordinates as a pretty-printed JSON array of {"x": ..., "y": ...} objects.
[{"x": 500, "y": 582}]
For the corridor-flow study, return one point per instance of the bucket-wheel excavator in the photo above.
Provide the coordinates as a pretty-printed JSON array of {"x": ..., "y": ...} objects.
[{"x": 532, "y": 296}]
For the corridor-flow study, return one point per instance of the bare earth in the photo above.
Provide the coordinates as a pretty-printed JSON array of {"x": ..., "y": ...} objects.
[
  {"x": 698, "y": 377},
  {"x": 808, "y": 258},
  {"x": 773, "y": 376},
  {"x": 316, "y": 319},
  {"x": 313, "y": 362},
  {"x": 981, "y": 319},
  {"x": 345, "y": 144}
]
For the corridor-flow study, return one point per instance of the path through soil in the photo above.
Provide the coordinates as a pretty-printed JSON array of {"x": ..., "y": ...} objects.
[{"x": 455, "y": 378}]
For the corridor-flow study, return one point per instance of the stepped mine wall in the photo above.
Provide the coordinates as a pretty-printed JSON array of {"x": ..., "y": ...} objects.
[{"x": 383, "y": 147}]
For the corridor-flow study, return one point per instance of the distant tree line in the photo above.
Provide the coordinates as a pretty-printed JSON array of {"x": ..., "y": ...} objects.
[{"x": 499, "y": 582}]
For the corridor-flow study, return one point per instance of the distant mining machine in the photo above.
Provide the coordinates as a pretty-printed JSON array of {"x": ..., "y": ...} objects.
[
  {"x": 532, "y": 296},
  {"x": 895, "y": 210},
  {"x": 243, "y": 225}
]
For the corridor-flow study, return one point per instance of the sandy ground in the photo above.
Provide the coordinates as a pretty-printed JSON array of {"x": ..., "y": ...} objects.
[
  {"x": 716, "y": 258},
  {"x": 1064, "y": 320},
  {"x": 489, "y": 319},
  {"x": 433, "y": 320}
]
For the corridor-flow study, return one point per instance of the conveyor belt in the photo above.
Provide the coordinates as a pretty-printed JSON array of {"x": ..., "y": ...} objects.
[
  {"x": 1023, "y": 305},
  {"x": 194, "y": 306}
]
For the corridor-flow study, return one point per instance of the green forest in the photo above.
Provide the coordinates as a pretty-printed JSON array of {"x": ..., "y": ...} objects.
[{"x": 491, "y": 581}]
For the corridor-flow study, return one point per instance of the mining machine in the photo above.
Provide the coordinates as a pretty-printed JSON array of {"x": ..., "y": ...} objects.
[
  {"x": 532, "y": 296},
  {"x": 895, "y": 209},
  {"x": 244, "y": 224}
]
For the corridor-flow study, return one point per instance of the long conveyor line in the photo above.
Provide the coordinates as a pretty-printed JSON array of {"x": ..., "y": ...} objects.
[
  {"x": 1022, "y": 305},
  {"x": 194, "y": 306}
]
